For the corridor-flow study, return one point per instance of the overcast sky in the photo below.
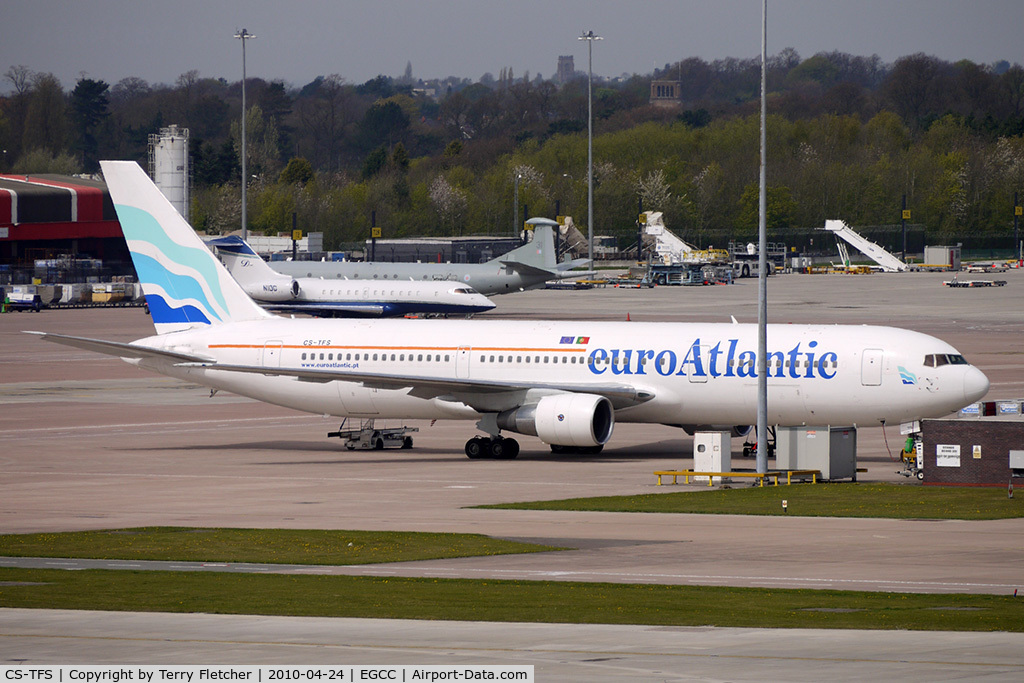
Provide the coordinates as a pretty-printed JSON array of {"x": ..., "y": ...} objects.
[{"x": 297, "y": 41}]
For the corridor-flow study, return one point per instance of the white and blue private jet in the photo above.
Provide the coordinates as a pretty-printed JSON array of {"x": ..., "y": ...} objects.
[{"x": 341, "y": 297}]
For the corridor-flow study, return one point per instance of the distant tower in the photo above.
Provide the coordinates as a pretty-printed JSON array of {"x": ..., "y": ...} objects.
[
  {"x": 566, "y": 69},
  {"x": 666, "y": 93},
  {"x": 168, "y": 166}
]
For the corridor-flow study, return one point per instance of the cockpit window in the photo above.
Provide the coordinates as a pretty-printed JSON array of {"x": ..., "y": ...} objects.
[{"x": 935, "y": 360}]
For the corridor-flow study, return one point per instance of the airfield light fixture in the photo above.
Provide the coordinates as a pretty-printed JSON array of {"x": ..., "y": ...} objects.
[
  {"x": 244, "y": 35},
  {"x": 590, "y": 38}
]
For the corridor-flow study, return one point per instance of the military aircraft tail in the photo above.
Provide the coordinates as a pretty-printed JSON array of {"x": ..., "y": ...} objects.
[{"x": 539, "y": 254}]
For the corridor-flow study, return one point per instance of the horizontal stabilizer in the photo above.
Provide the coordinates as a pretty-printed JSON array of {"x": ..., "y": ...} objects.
[
  {"x": 527, "y": 269},
  {"x": 119, "y": 349},
  {"x": 234, "y": 244},
  {"x": 566, "y": 266}
]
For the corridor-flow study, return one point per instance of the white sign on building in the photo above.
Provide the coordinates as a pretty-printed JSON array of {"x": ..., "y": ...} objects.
[{"x": 947, "y": 455}]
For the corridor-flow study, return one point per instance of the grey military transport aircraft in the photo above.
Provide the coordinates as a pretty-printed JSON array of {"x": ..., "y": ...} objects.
[{"x": 525, "y": 267}]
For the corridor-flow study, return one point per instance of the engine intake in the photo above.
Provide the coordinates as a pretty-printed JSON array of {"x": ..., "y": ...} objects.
[
  {"x": 284, "y": 289},
  {"x": 564, "y": 419}
]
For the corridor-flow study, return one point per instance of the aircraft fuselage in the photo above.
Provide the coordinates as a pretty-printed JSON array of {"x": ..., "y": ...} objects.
[{"x": 696, "y": 373}]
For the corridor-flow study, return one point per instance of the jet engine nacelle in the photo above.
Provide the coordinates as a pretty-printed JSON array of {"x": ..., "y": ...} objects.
[
  {"x": 564, "y": 419},
  {"x": 734, "y": 430},
  {"x": 284, "y": 289}
]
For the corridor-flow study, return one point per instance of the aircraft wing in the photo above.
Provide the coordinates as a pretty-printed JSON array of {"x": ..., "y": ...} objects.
[
  {"x": 119, "y": 349},
  {"x": 621, "y": 395}
]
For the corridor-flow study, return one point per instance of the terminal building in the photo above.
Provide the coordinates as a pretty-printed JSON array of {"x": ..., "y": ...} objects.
[{"x": 476, "y": 249}]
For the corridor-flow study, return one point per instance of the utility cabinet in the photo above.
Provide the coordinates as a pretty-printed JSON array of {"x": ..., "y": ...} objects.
[
  {"x": 712, "y": 452},
  {"x": 942, "y": 256},
  {"x": 832, "y": 450}
]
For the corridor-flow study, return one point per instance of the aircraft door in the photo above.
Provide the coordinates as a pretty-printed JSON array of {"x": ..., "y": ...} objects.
[
  {"x": 871, "y": 367},
  {"x": 272, "y": 354},
  {"x": 462, "y": 358}
]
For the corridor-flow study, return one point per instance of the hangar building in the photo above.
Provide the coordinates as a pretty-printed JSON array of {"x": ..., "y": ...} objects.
[{"x": 46, "y": 217}]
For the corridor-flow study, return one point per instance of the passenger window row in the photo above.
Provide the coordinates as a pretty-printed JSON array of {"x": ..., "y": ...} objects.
[
  {"x": 532, "y": 359},
  {"x": 399, "y": 357}
]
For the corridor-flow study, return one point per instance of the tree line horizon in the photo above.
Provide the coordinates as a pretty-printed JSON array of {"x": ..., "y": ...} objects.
[{"x": 848, "y": 137}]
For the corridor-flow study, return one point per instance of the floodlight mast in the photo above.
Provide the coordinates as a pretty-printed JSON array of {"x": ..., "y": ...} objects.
[
  {"x": 244, "y": 35},
  {"x": 762, "y": 263},
  {"x": 590, "y": 38}
]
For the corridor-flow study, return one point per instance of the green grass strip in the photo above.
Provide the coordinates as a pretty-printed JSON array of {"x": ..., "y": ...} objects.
[
  {"x": 486, "y": 600},
  {"x": 278, "y": 546},
  {"x": 807, "y": 500}
]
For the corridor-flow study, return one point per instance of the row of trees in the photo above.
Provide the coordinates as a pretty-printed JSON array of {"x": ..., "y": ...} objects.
[{"x": 848, "y": 136}]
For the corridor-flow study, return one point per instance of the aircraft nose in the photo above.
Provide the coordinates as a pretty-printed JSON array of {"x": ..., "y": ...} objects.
[{"x": 975, "y": 384}]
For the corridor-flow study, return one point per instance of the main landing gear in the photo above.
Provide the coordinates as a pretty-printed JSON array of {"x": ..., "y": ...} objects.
[{"x": 497, "y": 448}]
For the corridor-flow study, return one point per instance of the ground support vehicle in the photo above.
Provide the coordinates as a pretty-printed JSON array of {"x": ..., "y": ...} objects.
[
  {"x": 686, "y": 274},
  {"x": 745, "y": 262},
  {"x": 368, "y": 437}
]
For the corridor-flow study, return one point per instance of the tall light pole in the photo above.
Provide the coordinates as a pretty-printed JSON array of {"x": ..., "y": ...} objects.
[
  {"x": 590, "y": 38},
  {"x": 244, "y": 35},
  {"x": 515, "y": 207},
  {"x": 762, "y": 262}
]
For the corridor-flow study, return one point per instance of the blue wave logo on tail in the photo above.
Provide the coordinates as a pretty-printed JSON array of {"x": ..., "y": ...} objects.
[
  {"x": 184, "y": 283},
  {"x": 175, "y": 278}
]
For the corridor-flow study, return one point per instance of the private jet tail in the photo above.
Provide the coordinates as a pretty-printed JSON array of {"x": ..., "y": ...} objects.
[
  {"x": 184, "y": 283},
  {"x": 249, "y": 269}
]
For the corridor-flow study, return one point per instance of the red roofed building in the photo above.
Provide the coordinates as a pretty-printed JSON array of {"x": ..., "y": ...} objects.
[{"x": 46, "y": 216}]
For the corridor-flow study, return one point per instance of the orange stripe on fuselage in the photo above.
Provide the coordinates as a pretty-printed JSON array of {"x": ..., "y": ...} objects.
[{"x": 399, "y": 348}]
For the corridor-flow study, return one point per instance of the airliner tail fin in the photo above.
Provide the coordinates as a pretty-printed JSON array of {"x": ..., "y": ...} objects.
[{"x": 184, "y": 283}]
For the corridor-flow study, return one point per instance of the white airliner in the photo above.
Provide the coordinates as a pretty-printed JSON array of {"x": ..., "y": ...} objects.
[
  {"x": 341, "y": 297},
  {"x": 565, "y": 382}
]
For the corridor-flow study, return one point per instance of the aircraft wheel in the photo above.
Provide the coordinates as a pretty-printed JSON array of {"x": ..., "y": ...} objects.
[
  {"x": 558, "y": 448},
  {"x": 496, "y": 449},
  {"x": 504, "y": 449},
  {"x": 591, "y": 450},
  {"x": 475, "y": 448},
  {"x": 920, "y": 475}
]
